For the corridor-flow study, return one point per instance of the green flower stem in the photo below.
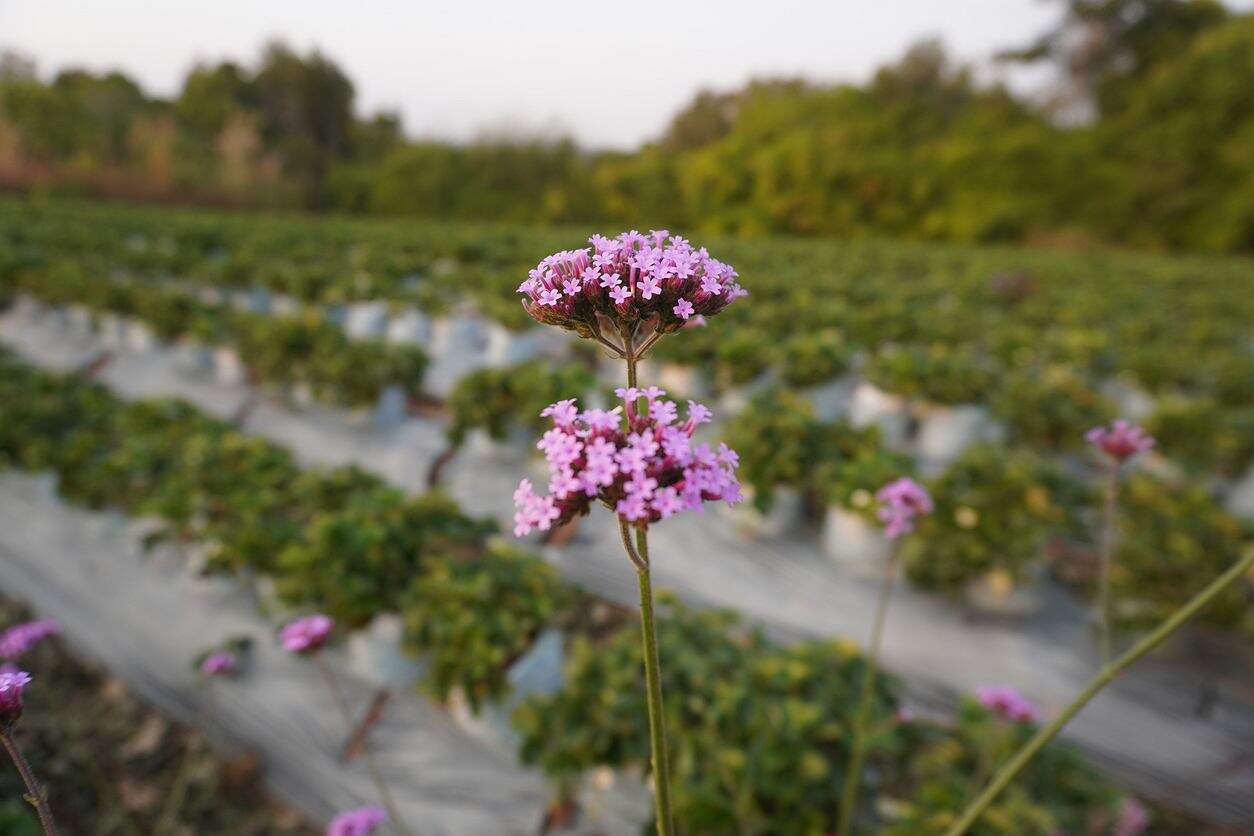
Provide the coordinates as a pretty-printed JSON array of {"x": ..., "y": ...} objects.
[
  {"x": 1110, "y": 498},
  {"x": 34, "y": 793},
  {"x": 1108, "y": 673},
  {"x": 849, "y": 796},
  {"x": 652, "y": 665},
  {"x": 376, "y": 777}
]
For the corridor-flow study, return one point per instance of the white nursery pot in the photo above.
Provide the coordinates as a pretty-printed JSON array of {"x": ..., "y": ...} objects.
[
  {"x": 254, "y": 300},
  {"x": 787, "y": 514},
  {"x": 410, "y": 327},
  {"x": 946, "y": 431},
  {"x": 193, "y": 359},
  {"x": 112, "y": 331},
  {"x": 683, "y": 381},
  {"x": 392, "y": 407},
  {"x": 228, "y": 368},
  {"x": 832, "y": 400},
  {"x": 366, "y": 320},
  {"x": 462, "y": 335},
  {"x": 376, "y": 654},
  {"x": 854, "y": 542},
  {"x": 996, "y": 594},
  {"x": 872, "y": 406},
  {"x": 78, "y": 320},
  {"x": 139, "y": 337},
  {"x": 506, "y": 347},
  {"x": 540, "y": 671},
  {"x": 516, "y": 445},
  {"x": 1131, "y": 402},
  {"x": 1240, "y": 501}
]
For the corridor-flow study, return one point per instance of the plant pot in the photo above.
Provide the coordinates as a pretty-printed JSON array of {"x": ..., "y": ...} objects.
[
  {"x": 871, "y": 406},
  {"x": 410, "y": 327},
  {"x": 787, "y": 514},
  {"x": 78, "y": 320},
  {"x": 682, "y": 381},
  {"x": 1240, "y": 501},
  {"x": 112, "y": 331},
  {"x": 516, "y": 446},
  {"x": 139, "y": 337},
  {"x": 392, "y": 408},
  {"x": 460, "y": 336},
  {"x": 538, "y": 672},
  {"x": 506, "y": 347},
  {"x": 366, "y": 320},
  {"x": 1131, "y": 401},
  {"x": 997, "y": 594},
  {"x": 854, "y": 542},
  {"x": 734, "y": 400},
  {"x": 193, "y": 359},
  {"x": 832, "y": 400},
  {"x": 946, "y": 431},
  {"x": 228, "y": 369},
  {"x": 376, "y": 654},
  {"x": 255, "y": 300}
]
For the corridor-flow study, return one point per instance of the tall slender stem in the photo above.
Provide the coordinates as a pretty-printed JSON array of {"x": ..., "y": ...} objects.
[
  {"x": 1110, "y": 493},
  {"x": 34, "y": 793},
  {"x": 857, "y": 753},
  {"x": 1108, "y": 673},
  {"x": 376, "y": 777},
  {"x": 652, "y": 664}
]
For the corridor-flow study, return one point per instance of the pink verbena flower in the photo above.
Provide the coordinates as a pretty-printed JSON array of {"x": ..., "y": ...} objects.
[
  {"x": 901, "y": 502},
  {"x": 20, "y": 638},
  {"x": 360, "y": 822},
  {"x": 1120, "y": 441},
  {"x": 305, "y": 635},
  {"x": 631, "y": 279},
  {"x": 219, "y": 663},
  {"x": 1005, "y": 701},
  {"x": 1133, "y": 818},
  {"x": 12, "y": 683},
  {"x": 640, "y": 463}
]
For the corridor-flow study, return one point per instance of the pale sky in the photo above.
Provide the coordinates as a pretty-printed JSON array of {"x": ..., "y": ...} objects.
[{"x": 610, "y": 74}]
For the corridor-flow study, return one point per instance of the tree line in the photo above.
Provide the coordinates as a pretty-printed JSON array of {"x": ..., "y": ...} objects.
[{"x": 1146, "y": 140}]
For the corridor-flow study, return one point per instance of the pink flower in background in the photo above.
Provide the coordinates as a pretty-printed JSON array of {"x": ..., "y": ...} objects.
[
  {"x": 628, "y": 280},
  {"x": 305, "y": 635},
  {"x": 12, "y": 683},
  {"x": 20, "y": 638},
  {"x": 1120, "y": 441},
  {"x": 638, "y": 463},
  {"x": 1133, "y": 818},
  {"x": 360, "y": 822},
  {"x": 901, "y": 502},
  {"x": 1005, "y": 701},
  {"x": 219, "y": 663}
]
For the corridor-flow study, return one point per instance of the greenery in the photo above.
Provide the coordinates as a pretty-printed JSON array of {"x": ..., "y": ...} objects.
[
  {"x": 497, "y": 400},
  {"x": 1172, "y": 540},
  {"x": 476, "y": 615},
  {"x": 1059, "y": 792},
  {"x": 994, "y": 509}
]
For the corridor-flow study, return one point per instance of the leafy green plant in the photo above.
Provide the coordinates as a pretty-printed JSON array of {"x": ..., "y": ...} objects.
[
  {"x": 475, "y": 615},
  {"x": 994, "y": 509},
  {"x": 811, "y": 359},
  {"x": 1050, "y": 407}
]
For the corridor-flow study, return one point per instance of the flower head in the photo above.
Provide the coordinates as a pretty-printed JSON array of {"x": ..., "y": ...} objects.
[
  {"x": 305, "y": 635},
  {"x": 625, "y": 281},
  {"x": 641, "y": 464},
  {"x": 1120, "y": 441},
  {"x": 20, "y": 638},
  {"x": 1005, "y": 701},
  {"x": 219, "y": 663},
  {"x": 360, "y": 822},
  {"x": 901, "y": 502},
  {"x": 12, "y": 683},
  {"x": 1133, "y": 818}
]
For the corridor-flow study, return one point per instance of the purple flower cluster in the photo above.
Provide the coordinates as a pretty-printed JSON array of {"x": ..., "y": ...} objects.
[
  {"x": 219, "y": 663},
  {"x": 305, "y": 635},
  {"x": 1005, "y": 701},
  {"x": 359, "y": 822},
  {"x": 900, "y": 503},
  {"x": 20, "y": 638},
  {"x": 645, "y": 471},
  {"x": 1133, "y": 818},
  {"x": 12, "y": 683},
  {"x": 1120, "y": 441},
  {"x": 627, "y": 280}
]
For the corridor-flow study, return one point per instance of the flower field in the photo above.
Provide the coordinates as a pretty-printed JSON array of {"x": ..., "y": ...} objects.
[{"x": 975, "y": 371}]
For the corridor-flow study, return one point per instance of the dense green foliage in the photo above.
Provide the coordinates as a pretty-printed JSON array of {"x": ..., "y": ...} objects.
[
  {"x": 921, "y": 150},
  {"x": 498, "y": 400}
]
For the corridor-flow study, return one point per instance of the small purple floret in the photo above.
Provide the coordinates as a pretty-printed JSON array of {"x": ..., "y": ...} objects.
[
  {"x": 1120, "y": 441},
  {"x": 1005, "y": 701},
  {"x": 305, "y": 635},
  {"x": 360, "y": 822},
  {"x": 19, "y": 639}
]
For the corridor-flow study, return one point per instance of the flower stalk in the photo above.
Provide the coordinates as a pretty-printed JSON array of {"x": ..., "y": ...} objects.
[
  {"x": 1047, "y": 733},
  {"x": 1110, "y": 498},
  {"x": 34, "y": 793}
]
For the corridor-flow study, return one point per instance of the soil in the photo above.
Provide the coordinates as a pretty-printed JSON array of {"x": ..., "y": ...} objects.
[{"x": 112, "y": 764}]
